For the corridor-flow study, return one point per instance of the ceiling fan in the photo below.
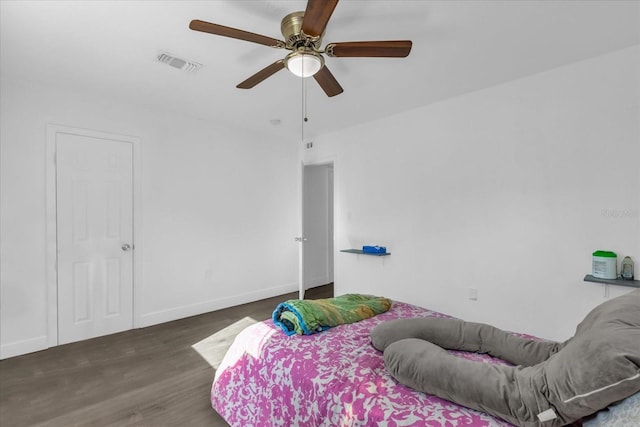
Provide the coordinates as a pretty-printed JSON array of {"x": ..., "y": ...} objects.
[{"x": 303, "y": 32}]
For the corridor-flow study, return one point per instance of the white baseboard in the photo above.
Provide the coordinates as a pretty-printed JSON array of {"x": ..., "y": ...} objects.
[
  {"x": 42, "y": 343},
  {"x": 23, "y": 347},
  {"x": 171, "y": 314}
]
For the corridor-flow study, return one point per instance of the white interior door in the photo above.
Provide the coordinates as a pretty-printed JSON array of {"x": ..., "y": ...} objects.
[{"x": 94, "y": 220}]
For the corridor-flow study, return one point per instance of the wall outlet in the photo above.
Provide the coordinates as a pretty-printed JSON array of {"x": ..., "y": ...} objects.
[
  {"x": 309, "y": 145},
  {"x": 473, "y": 294}
]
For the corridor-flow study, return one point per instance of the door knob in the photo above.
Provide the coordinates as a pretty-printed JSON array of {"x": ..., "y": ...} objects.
[{"x": 126, "y": 247}]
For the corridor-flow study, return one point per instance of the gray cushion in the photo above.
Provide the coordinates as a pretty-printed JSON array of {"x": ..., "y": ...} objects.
[{"x": 552, "y": 384}]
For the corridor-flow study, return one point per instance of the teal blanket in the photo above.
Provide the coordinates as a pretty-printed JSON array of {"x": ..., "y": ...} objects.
[{"x": 310, "y": 316}]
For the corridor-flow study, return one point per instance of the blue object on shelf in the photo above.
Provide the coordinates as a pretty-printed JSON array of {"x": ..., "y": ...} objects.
[
  {"x": 361, "y": 252},
  {"x": 374, "y": 249}
]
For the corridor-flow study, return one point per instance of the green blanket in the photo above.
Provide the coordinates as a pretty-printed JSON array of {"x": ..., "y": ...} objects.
[{"x": 310, "y": 316}]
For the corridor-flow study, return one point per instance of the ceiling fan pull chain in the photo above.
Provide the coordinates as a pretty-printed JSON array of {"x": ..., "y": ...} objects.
[
  {"x": 304, "y": 99},
  {"x": 304, "y": 118}
]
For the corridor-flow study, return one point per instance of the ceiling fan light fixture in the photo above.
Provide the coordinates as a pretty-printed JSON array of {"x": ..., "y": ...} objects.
[{"x": 304, "y": 64}]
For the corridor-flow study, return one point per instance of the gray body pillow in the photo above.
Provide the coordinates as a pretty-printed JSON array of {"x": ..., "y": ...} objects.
[{"x": 552, "y": 384}]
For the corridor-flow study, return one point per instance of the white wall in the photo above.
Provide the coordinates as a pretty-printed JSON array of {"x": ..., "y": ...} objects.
[
  {"x": 507, "y": 190},
  {"x": 212, "y": 199}
]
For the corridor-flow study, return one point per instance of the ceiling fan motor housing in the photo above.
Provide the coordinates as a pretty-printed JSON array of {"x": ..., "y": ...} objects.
[{"x": 291, "y": 28}]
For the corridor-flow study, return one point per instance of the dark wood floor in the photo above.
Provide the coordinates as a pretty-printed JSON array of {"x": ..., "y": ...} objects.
[{"x": 143, "y": 377}]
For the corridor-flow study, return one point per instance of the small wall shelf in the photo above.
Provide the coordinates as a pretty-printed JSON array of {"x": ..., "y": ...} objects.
[
  {"x": 360, "y": 252},
  {"x": 619, "y": 282}
]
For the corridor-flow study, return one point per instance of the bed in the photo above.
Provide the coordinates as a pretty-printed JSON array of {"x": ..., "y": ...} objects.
[{"x": 333, "y": 378}]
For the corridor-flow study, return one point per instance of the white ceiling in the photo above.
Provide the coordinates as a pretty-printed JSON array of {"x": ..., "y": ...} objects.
[{"x": 109, "y": 48}]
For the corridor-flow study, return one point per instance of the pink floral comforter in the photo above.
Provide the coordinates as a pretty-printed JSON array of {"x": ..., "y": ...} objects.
[{"x": 333, "y": 378}]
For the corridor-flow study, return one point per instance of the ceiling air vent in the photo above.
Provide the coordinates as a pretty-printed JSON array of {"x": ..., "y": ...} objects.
[{"x": 179, "y": 63}]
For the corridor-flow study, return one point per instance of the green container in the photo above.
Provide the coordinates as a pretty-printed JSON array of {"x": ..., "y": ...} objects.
[{"x": 605, "y": 265}]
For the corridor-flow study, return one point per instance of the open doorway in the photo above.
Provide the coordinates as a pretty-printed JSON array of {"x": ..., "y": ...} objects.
[{"x": 317, "y": 225}]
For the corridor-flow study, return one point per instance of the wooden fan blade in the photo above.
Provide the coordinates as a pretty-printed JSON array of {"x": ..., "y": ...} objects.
[
  {"x": 385, "y": 49},
  {"x": 327, "y": 82},
  {"x": 262, "y": 75},
  {"x": 234, "y": 33},
  {"x": 316, "y": 16}
]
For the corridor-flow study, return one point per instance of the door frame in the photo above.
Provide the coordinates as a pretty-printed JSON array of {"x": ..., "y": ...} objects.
[
  {"x": 331, "y": 160},
  {"x": 52, "y": 130}
]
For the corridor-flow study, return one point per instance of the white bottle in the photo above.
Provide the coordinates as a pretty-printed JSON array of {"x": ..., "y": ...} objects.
[{"x": 626, "y": 269}]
